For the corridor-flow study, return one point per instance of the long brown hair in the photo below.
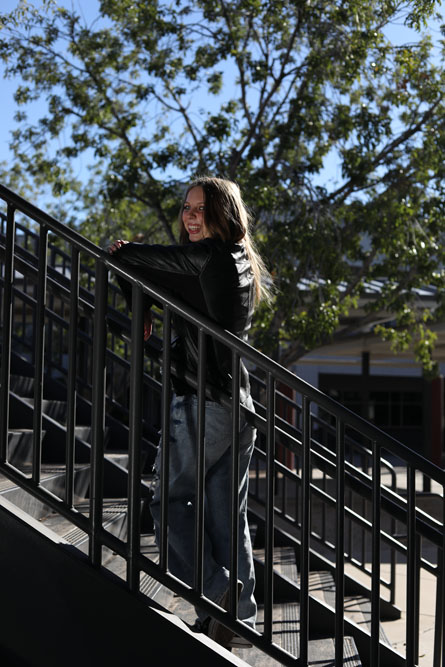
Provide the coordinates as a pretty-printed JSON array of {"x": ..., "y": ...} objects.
[{"x": 226, "y": 217}]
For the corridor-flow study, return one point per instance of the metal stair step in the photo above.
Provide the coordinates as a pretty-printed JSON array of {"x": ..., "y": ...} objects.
[
  {"x": 322, "y": 586},
  {"x": 285, "y": 625},
  {"x": 22, "y": 385},
  {"x": 120, "y": 457},
  {"x": 154, "y": 590},
  {"x": 20, "y": 444},
  {"x": 52, "y": 477},
  {"x": 83, "y": 433},
  {"x": 56, "y": 410},
  {"x": 322, "y": 653},
  {"x": 284, "y": 561},
  {"x": 358, "y": 609}
]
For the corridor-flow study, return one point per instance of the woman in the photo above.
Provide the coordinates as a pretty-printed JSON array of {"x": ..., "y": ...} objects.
[{"x": 216, "y": 270}]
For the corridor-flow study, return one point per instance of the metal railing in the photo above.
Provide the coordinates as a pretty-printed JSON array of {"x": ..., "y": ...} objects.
[
  {"x": 323, "y": 435},
  {"x": 56, "y": 365},
  {"x": 415, "y": 528}
]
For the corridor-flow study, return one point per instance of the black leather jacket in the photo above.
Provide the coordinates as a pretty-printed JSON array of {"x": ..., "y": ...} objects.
[{"x": 216, "y": 279}]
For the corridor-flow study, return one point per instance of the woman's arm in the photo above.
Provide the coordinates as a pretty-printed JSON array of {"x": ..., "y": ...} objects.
[
  {"x": 175, "y": 268},
  {"x": 127, "y": 291}
]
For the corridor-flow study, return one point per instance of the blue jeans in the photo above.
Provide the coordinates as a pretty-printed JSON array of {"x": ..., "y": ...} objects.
[{"x": 217, "y": 501}]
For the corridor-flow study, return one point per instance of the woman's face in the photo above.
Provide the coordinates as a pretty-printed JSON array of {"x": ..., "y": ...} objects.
[{"x": 193, "y": 214}]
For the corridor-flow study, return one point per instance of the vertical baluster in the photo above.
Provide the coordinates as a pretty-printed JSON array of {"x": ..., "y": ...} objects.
[
  {"x": 439, "y": 615},
  {"x": 72, "y": 373},
  {"x": 39, "y": 348},
  {"x": 440, "y": 602},
  {"x": 296, "y": 485},
  {"x": 340, "y": 542},
  {"x": 411, "y": 569},
  {"x": 417, "y": 586},
  {"x": 98, "y": 413},
  {"x": 376, "y": 525},
  {"x": 323, "y": 509},
  {"x": 6, "y": 331},
  {"x": 134, "y": 443},
  {"x": 165, "y": 450},
  {"x": 393, "y": 558},
  {"x": 23, "y": 309},
  {"x": 257, "y": 478},
  {"x": 350, "y": 525},
  {"x": 285, "y": 493},
  {"x": 305, "y": 533},
  {"x": 270, "y": 496},
  {"x": 364, "y": 534},
  {"x": 235, "y": 484},
  {"x": 200, "y": 465},
  {"x": 51, "y": 346}
]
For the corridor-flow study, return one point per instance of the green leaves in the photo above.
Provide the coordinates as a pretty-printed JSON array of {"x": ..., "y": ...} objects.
[{"x": 335, "y": 135}]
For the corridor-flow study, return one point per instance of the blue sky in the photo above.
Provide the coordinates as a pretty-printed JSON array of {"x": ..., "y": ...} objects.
[
  {"x": 7, "y": 107},
  {"x": 88, "y": 8}
]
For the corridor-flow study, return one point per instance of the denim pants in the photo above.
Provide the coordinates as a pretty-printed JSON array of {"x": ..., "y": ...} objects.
[{"x": 217, "y": 500}]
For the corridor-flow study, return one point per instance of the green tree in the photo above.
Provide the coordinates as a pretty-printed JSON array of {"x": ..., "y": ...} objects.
[{"x": 268, "y": 94}]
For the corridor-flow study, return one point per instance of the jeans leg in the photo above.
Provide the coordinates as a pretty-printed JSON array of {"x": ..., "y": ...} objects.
[
  {"x": 181, "y": 502},
  {"x": 218, "y": 499},
  {"x": 181, "y": 511}
]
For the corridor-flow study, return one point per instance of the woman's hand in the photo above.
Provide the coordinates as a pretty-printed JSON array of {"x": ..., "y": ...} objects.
[
  {"x": 116, "y": 245},
  {"x": 148, "y": 324}
]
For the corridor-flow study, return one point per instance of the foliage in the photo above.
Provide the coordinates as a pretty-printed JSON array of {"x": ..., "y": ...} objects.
[{"x": 273, "y": 94}]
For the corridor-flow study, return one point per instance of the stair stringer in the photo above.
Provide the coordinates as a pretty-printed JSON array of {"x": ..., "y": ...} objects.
[{"x": 72, "y": 613}]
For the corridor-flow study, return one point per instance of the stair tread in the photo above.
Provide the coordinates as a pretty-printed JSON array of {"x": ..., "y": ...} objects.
[
  {"x": 20, "y": 443},
  {"x": 113, "y": 510},
  {"x": 20, "y": 430},
  {"x": 322, "y": 586},
  {"x": 47, "y": 471},
  {"x": 358, "y": 609},
  {"x": 284, "y": 561}
]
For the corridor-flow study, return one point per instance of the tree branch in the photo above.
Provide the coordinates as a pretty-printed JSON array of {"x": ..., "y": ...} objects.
[{"x": 347, "y": 188}]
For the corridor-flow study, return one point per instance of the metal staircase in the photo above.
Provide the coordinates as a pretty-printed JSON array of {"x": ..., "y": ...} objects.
[{"x": 81, "y": 406}]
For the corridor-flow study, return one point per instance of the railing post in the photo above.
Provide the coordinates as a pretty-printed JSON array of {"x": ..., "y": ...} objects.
[
  {"x": 200, "y": 465},
  {"x": 72, "y": 374},
  {"x": 134, "y": 443},
  {"x": 340, "y": 544},
  {"x": 270, "y": 497},
  {"x": 165, "y": 451},
  {"x": 376, "y": 525},
  {"x": 305, "y": 530},
  {"x": 439, "y": 621},
  {"x": 234, "y": 541},
  {"x": 442, "y": 587},
  {"x": 7, "y": 330},
  {"x": 98, "y": 413},
  {"x": 411, "y": 602},
  {"x": 39, "y": 347}
]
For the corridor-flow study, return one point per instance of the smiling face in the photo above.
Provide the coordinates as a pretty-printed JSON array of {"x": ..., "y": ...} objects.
[{"x": 193, "y": 214}]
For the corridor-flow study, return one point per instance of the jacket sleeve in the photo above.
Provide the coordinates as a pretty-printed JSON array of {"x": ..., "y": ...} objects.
[
  {"x": 187, "y": 259},
  {"x": 166, "y": 266}
]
